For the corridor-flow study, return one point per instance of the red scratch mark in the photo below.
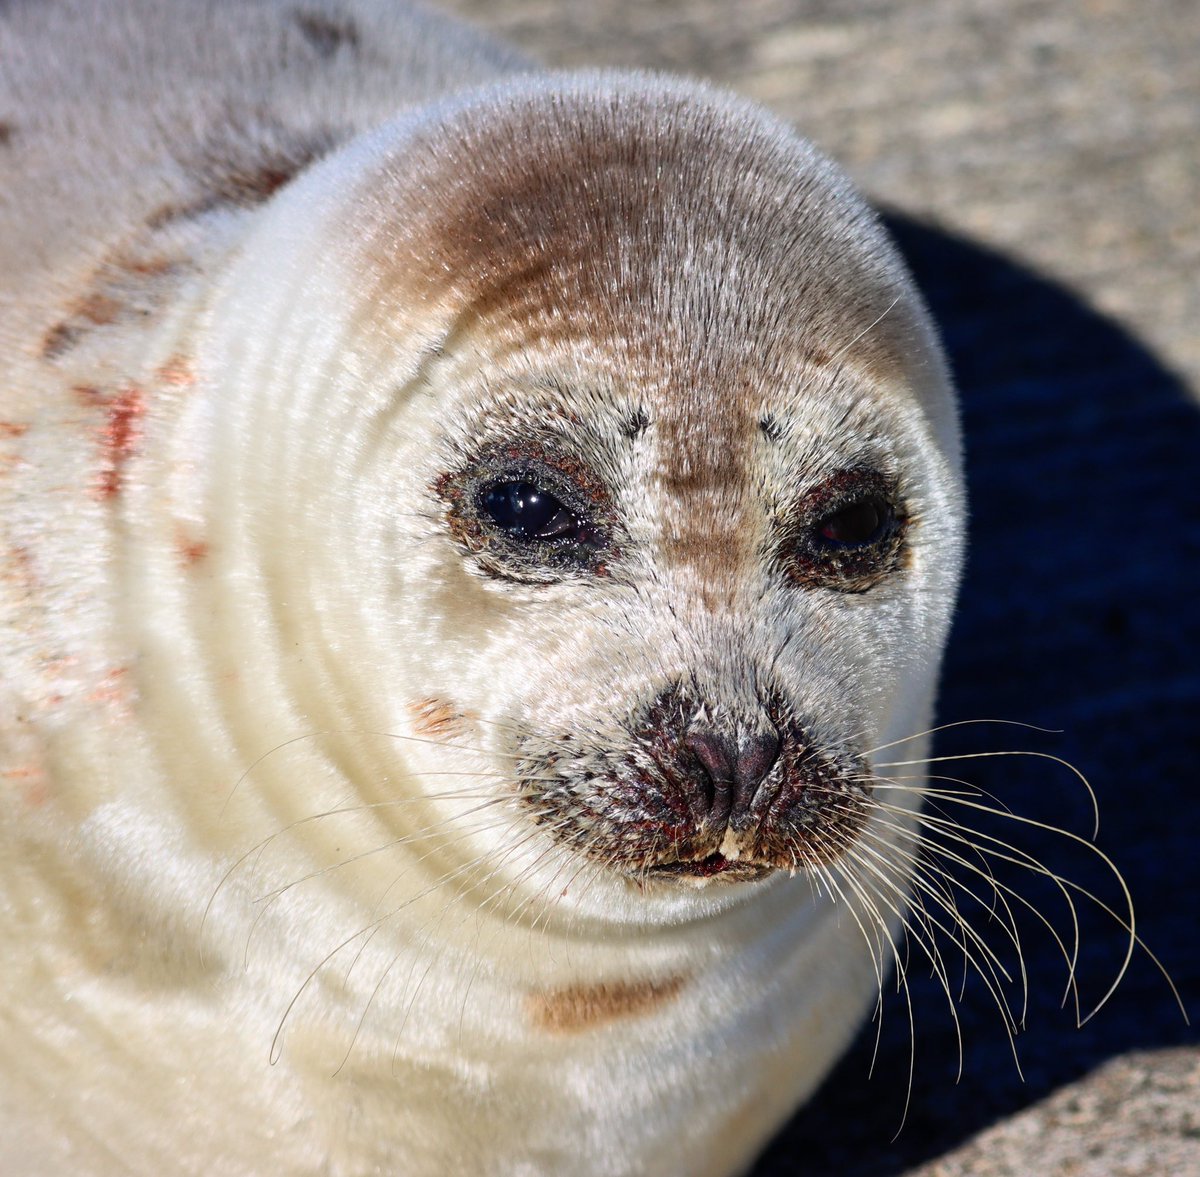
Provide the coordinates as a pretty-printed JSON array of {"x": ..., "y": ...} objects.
[{"x": 119, "y": 438}]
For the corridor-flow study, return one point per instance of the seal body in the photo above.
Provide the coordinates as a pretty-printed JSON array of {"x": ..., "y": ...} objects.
[{"x": 466, "y": 531}]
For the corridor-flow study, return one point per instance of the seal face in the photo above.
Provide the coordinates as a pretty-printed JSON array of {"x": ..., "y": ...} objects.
[
  {"x": 688, "y": 777},
  {"x": 466, "y": 551},
  {"x": 708, "y": 464}
]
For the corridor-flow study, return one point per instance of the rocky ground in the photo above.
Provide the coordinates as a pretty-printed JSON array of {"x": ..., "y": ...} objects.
[{"x": 1040, "y": 163}]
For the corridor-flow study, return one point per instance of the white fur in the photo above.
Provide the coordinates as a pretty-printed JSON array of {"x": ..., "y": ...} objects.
[{"x": 222, "y": 642}]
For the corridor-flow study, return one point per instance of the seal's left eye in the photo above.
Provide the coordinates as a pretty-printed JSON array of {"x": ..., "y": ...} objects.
[
  {"x": 527, "y": 513},
  {"x": 859, "y": 524},
  {"x": 847, "y": 534}
]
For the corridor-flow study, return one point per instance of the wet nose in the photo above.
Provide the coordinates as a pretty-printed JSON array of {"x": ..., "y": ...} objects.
[{"x": 735, "y": 765}]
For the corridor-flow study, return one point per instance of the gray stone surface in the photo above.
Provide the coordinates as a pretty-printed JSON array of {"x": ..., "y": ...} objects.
[{"x": 1042, "y": 161}]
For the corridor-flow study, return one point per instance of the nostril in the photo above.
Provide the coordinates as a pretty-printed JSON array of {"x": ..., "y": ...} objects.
[
  {"x": 756, "y": 757},
  {"x": 717, "y": 753}
]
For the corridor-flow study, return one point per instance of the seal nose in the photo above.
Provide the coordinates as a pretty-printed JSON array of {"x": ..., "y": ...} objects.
[{"x": 735, "y": 767}]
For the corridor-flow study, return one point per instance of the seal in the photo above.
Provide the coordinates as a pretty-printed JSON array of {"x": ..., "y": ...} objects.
[{"x": 468, "y": 531}]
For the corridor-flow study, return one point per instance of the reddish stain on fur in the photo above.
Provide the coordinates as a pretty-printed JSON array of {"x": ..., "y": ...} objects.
[
  {"x": 98, "y": 309},
  {"x": 150, "y": 266},
  {"x": 13, "y": 429},
  {"x": 581, "y": 1007},
  {"x": 128, "y": 283},
  {"x": 114, "y": 688},
  {"x": 119, "y": 438},
  {"x": 92, "y": 310},
  {"x": 35, "y": 790},
  {"x": 177, "y": 372},
  {"x": 88, "y": 395},
  {"x": 17, "y": 569},
  {"x": 436, "y": 717},
  {"x": 191, "y": 551}
]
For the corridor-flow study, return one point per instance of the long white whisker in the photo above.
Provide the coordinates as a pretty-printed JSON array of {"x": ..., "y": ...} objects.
[
  {"x": 1129, "y": 925},
  {"x": 944, "y": 727},
  {"x": 955, "y": 831},
  {"x": 1035, "y": 755}
]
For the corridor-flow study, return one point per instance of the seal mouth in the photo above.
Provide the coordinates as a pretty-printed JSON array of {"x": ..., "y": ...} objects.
[{"x": 729, "y": 870}]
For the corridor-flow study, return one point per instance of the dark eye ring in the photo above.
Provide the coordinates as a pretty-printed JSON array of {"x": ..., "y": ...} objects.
[
  {"x": 527, "y": 513},
  {"x": 862, "y": 523}
]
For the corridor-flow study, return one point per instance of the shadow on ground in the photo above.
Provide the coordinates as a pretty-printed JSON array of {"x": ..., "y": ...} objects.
[{"x": 1079, "y": 612}]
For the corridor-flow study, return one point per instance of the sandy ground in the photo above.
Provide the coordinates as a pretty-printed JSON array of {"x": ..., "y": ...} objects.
[{"x": 1041, "y": 165}]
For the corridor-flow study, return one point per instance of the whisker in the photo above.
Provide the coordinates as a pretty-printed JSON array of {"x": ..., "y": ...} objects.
[
  {"x": 926, "y": 940},
  {"x": 1035, "y": 755},
  {"x": 434, "y": 958},
  {"x": 891, "y": 306},
  {"x": 1132, "y": 941},
  {"x": 926, "y": 845},
  {"x": 408, "y": 902},
  {"x": 902, "y": 987},
  {"x": 935, "y": 882},
  {"x": 944, "y": 727},
  {"x": 969, "y": 789},
  {"x": 340, "y": 810},
  {"x": 988, "y": 954},
  {"x": 874, "y": 948},
  {"x": 384, "y": 735},
  {"x": 957, "y": 832}
]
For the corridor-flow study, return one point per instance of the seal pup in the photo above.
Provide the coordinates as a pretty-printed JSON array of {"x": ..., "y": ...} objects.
[{"x": 467, "y": 531}]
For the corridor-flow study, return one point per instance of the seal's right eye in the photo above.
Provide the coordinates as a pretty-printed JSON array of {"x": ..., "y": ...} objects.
[
  {"x": 527, "y": 513},
  {"x": 536, "y": 518}
]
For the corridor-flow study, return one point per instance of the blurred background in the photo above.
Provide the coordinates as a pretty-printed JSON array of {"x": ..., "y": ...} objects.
[{"x": 1040, "y": 166}]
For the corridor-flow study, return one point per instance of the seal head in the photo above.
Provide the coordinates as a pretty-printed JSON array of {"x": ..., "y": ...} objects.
[{"x": 654, "y": 490}]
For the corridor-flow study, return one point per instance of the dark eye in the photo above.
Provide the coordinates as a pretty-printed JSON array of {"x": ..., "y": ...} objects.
[
  {"x": 849, "y": 533},
  {"x": 527, "y": 513},
  {"x": 859, "y": 524}
]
